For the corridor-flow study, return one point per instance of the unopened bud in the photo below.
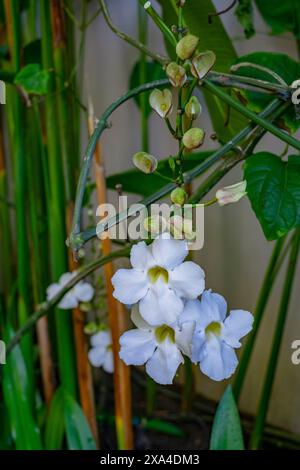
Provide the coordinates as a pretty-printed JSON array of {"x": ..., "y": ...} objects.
[
  {"x": 145, "y": 162},
  {"x": 176, "y": 74},
  {"x": 155, "y": 224},
  {"x": 178, "y": 196},
  {"x": 186, "y": 46},
  {"x": 161, "y": 102},
  {"x": 193, "y": 138},
  {"x": 232, "y": 193},
  {"x": 202, "y": 63},
  {"x": 193, "y": 108}
]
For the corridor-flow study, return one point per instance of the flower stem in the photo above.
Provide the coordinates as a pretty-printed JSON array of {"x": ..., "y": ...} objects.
[
  {"x": 159, "y": 22},
  {"x": 257, "y": 433}
]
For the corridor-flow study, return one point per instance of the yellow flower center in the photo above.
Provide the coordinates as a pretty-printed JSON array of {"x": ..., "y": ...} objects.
[
  {"x": 163, "y": 106},
  {"x": 156, "y": 272},
  {"x": 213, "y": 328},
  {"x": 163, "y": 332}
]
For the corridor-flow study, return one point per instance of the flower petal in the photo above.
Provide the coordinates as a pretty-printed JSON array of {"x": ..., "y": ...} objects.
[
  {"x": 66, "y": 277},
  {"x": 168, "y": 252},
  {"x": 184, "y": 336},
  {"x": 68, "y": 301},
  {"x": 138, "y": 320},
  {"x": 52, "y": 290},
  {"x": 237, "y": 325},
  {"x": 140, "y": 256},
  {"x": 213, "y": 306},
  {"x": 164, "y": 363},
  {"x": 97, "y": 356},
  {"x": 198, "y": 345},
  {"x": 137, "y": 346},
  {"x": 83, "y": 291},
  {"x": 130, "y": 285},
  {"x": 187, "y": 280},
  {"x": 108, "y": 364},
  {"x": 102, "y": 339},
  {"x": 160, "y": 306},
  {"x": 219, "y": 360}
]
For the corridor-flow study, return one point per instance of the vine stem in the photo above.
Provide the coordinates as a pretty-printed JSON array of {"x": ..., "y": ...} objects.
[
  {"x": 45, "y": 307},
  {"x": 257, "y": 433}
]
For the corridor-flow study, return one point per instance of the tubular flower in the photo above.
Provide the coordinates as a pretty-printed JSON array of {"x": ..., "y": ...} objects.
[
  {"x": 101, "y": 354},
  {"x": 81, "y": 292},
  {"x": 232, "y": 193},
  {"x": 160, "y": 347},
  {"x": 216, "y": 336},
  {"x": 159, "y": 280}
]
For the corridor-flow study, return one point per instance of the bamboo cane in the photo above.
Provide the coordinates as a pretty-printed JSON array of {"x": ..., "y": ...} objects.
[{"x": 122, "y": 384}]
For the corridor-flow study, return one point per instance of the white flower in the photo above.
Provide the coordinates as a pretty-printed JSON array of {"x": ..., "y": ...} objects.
[
  {"x": 161, "y": 102},
  {"x": 101, "y": 354},
  {"x": 216, "y": 335},
  {"x": 160, "y": 347},
  {"x": 81, "y": 292},
  {"x": 231, "y": 193},
  {"x": 159, "y": 280}
]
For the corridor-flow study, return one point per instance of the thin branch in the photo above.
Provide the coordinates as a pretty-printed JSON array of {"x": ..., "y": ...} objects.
[
  {"x": 218, "y": 13},
  {"x": 45, "y": 307},
  {"x": 137, "y": 44}
]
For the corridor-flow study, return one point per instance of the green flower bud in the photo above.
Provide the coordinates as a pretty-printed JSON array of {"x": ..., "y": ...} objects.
[
  {"x": 178, "y": 196},
  {"x": 186, "y": 46},
  {"x": 193, "y": 108},
  {"x": 155, "y": 224},
  {"x": 176, "y": 74},
  {"x": 202, "y": 63},
  {"x": 145, "y": 162},
  {"x": 193, "y": 138},
  {"x": 161, "y": 102}
]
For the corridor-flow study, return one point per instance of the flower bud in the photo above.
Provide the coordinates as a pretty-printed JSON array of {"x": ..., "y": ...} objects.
[
  {"x": 145, "y": 162},
  {"x": 161, "y": 102},
  {"x": 193, "y": 108},
  {"x": 231, "y": 193},
  {"x": 181, "y": 227},
  {"x": 176, "y": 74},
  {"x": 155, "y": 224},
  {"x": 193, "y": 138},
  {"x": 202, "y": 63},
  {"x": 186, "y": 46},
  {"x": 178, "y": 196}
]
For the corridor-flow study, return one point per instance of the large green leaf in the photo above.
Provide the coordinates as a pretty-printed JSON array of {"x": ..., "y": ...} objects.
[
  {"x": 136, "y": 182},
  {"x": 287, "y": 68},
  {"x": 33, "y": 79},
  {"x": 55, "y": 425},
  {"x": 281, "y": 15},
  {"x": 154, "y": 71},
  {"x": 79, "y": 435},
  {"x": 212, "y": 37},
  {"x": 226, "y": 431},
  {"x": 273, "y": 188},
  {"x": 18, "y": 403}
]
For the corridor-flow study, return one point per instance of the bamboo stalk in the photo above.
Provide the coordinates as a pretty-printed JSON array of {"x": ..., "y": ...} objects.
[
  {"x": 116, "y": 316},
  {"x": 56, "y": 203}
]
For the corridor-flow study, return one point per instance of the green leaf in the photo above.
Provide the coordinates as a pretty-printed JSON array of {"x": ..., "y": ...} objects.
[
  {"x": 79, "y": 435},
  {"x": 55, "y": 425},
  {"x": 244, "y": 12},
  {"x": 287, "y": 68},
  {"x": 154, "y": 71},
  {"x": 33, "y": 79},
  {"x": 19, "y": 402},
  {"x": 136, "y": 182},
  {"x": 163, "y": 427},
  {"x": 281, "y": 15},
  {"x": 212, "y": 37},
  {"x": 273, "y": 188},
  {"x": 226, "y": 430}
]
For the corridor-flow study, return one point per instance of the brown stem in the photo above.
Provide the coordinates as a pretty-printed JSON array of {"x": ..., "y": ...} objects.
[{"x": 218, "y": 13}]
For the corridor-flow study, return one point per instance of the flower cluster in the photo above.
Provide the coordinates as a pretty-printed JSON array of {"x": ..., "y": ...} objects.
[
  {"x": 101, "y": 353},
  {"x": 170, "y": 319},
  {"x": 81, "y": 292}
]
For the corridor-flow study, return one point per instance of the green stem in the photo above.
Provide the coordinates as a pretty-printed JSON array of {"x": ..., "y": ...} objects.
[
  {"x": 138, "y": 45},
  {"x": 45, "y": 307},
  {"x": 143, "y": 26},
  {"x": 159, "y": 22},
  {"x": 57, "y": 205},
  {"x": 263, "y": 298},
  {"x": 257, "y": 433},
  {"x": 250, "y": 115}
]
